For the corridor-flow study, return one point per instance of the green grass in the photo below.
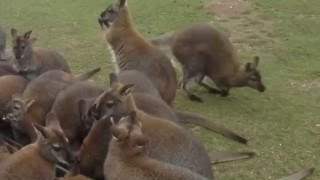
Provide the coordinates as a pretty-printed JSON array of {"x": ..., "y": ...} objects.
[{"x": 282, "y": 123}]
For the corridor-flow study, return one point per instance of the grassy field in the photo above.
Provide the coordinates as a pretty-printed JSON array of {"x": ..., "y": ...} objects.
[{"x": 282, "y": 124}]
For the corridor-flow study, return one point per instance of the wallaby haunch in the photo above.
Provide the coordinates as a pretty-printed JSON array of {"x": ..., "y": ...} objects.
[
  {"x": 31, "y": 62},
  {"x": 71, "y": 113},
  {"x": 127, "y": 157},
  {"x": 154, "y": 106},
  {"x": 206, "y": 52},
  {"x": 131, "y": 51},
  {"x": 3, "y": 41},
  {"x": 36, "y": 101},
  {"x": 36, "y": 161}
]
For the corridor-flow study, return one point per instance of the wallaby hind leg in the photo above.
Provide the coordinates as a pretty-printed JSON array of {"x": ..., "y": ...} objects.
[
  {"x": 186, "y": 77},
  {"x": 200, "y": 82}
]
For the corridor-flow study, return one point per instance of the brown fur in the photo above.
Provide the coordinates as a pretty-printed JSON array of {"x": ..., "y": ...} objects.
[
  {"x": 133, "y": 52},
  {"x": 31, "y": 62},
  {"x": 33, "y": 162},
  {"x": 7, "y": 69},
  {"x": 205, "y": 52},
  {"x": 67, "y": 109},
  {"x": 35, "y": 102},
  {"x": 77, "y": 177},
  {"x": 127, "y": 157},
  {"x": 6, "y": 150}
]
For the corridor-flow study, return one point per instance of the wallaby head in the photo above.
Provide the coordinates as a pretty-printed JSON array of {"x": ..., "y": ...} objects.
[
  {"x": 128, "y": 135},
  {"x": 251, "y": 76},
  {"x": 115, "y": 16},
  {"x": 22, "y": 46},
  {"x": 53, "y": 145},
  {"x": 112, "y": 102},
  {"x": 15, "y": 109}
]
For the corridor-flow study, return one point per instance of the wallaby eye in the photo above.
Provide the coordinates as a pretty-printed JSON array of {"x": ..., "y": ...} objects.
[
  {"x": 56, "y": 147},
  {"x": 110, "y": 104},
  {"x": 16, "y": 107},
  {"x": 253, "y": 78}
]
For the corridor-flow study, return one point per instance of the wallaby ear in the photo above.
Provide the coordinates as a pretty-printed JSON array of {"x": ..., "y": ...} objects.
[
  {"x": 119, "y": 133},
  {"x": 255, "y": 62},
  {"x": 113, "y": 78},
  {"x": 27, "y": 35},
  {"x": 11, "y": 149},
  {"x": 40, "y": 131},
  {"x": 126, "y": 89},
  {"x": 14, "y": 32},
  {"x": 248, "y": 67},
  {"x": 29, "y": 103},
  {"x": 121, "y": 3},
  {"x": 33, "y": 39}
]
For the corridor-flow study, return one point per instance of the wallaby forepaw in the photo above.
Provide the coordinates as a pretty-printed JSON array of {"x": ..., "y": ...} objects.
[{"x": 193, "y": 97}]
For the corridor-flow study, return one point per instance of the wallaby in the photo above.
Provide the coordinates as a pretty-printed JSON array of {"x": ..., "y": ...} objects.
[
  {"x": 205, "y": 52},
  {"x": 94, "y": 149},
  {"x": 128, "y": 158},
  {"x": 131, "y": 51},
  {"x": 153, "y": 106},
  {"x": 31, "y": 62},
  {"x": 36, "y": 101},
  {"x": 35, "y": 161},
  {"x": 69, "y": 113},
  {"x": 300, "y": 175},
  {"x": 7, "y": 69},
  {"x": 3, "y": 42}
]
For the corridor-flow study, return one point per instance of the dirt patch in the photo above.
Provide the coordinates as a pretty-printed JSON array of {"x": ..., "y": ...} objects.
[{"x": 247, "y": 26}]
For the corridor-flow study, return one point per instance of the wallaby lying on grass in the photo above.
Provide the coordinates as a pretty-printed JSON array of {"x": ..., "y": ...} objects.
[
  {"x": 7, "y": 69},
  {"x": 131, "y": 51},
  {"x": 31, "y": 62},
  {"x": 204, "y": 51},
  {"x": 94, "y": 150},
  {"x": 3, "y": 42},
  {"x": 35, "y": 161},
  {"x": 127, "y": 157},
  {"x": 154, "y": 106},
  {"x": 36, "y": 101},
  {"x": 70, "y": 112}
]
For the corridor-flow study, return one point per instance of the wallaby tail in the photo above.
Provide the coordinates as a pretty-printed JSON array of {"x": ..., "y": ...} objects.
[
  {"x": 162, "y": 40},
  {"x": 300, "y": 175},
  {"x": 223, "y": 157},
  {"x": 211, "y": 125},
  {"x": 88, "y": 75}
]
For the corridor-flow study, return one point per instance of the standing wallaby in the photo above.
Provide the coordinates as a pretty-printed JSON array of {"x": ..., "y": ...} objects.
[
  {"x": 31, "y": 62},
  {"x": 205, "y": 52},
  {"x": 127, "y": 157},
  {"x": 94, "y": 149},
  {"x": 71, "y": 114},
  {"x": 35, "y": 161},
  {"x": 36, "y": 101},
  {"x": 131, "y": 51},
  {"x": 152, "y": 105},
  {"x": 3, "y": 42}
]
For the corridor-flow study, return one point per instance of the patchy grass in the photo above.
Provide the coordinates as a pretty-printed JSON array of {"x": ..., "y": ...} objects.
[{"x": 282, "y": 124}]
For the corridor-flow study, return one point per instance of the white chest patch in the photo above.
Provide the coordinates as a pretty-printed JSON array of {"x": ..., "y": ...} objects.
[{"x": 114, "y": 60}]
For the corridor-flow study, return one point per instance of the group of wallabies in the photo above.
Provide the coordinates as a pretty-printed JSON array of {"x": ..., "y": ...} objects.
[{"x": 129, "y": 130}]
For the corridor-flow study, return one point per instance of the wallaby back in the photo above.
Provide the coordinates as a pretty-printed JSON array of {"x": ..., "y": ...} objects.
[
  {"x": 132, "y": 51},
  {"x": 34, "y": 61}
]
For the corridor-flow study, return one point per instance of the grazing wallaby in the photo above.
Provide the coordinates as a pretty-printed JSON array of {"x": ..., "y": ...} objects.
[
  {"x": 205, "y": 52},
  {"x": 70, "y": 112},
  {"x": 35, "y": 161},
  {"x": 3, "y": 42},
  {"x": 128, "y": 158},
  {"x": 153, "y": 106},
  {"x": 36, "y": 101},
  {"x": 31, "y": 62},
  {"x": 131, "y": 51},
  {"x": 94, "y": 149},
  {"x": 7, "y": 69}
]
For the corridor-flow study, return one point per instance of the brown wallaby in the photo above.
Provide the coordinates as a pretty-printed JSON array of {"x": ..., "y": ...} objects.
[
  {"x": 94, "y": 149},
  {"x": 35, "y": 161},
  {"x": 31, "y": 62},
  {"x": 154, "y": 106},
  {"x": 36, "y": 101},
  {"x": 300, "y": 175},
  {"x": 131, "y": 51},
  {"x": 70, "y": 112},
  {"x": 3, "y": 42},
  {"x": 205, "y": 52},
  {"x": 128, "y": 158}
]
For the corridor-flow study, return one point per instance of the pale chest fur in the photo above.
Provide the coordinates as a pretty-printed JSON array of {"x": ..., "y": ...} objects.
[{"x": 114, "y": 59}]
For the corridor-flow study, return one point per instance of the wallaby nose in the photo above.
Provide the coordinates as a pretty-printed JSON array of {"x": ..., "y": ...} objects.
[{"x": 262, "y": 88}]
